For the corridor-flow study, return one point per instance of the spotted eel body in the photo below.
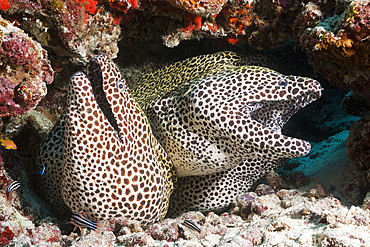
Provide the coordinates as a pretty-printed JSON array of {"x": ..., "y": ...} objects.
[
  {"x": 112, "y": 164},
  {"x": 50, "y": 156},
  {"x": 229, "y": 123},
  {"x": 165, "y": 81},
  {"x": 220, "y": 122},
  {"x": 216, "y": 192}
]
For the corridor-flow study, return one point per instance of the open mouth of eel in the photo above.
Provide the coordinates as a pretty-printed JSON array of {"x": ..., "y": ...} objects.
[{"x": 273, "y": 115}]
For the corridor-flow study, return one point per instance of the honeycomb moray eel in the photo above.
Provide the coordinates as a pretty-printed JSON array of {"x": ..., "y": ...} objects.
[
  {"x": 219, "y": 122},
  {"x": 229, "y": 123},
  {"x": 215, "y": 123},
  {"x": 112, "y": 164}
]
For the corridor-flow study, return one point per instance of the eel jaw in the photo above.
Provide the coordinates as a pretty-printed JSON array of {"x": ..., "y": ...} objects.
[{"x": 273, "y": 115}]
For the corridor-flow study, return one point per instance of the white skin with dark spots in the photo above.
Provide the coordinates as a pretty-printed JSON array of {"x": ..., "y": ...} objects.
[
  {"x": 247, "y": 108},
  {"x": 218, "y": 122}
]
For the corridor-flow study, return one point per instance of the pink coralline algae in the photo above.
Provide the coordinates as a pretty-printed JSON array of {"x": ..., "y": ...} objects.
[
  {"x": 16, "y": 48},
  {"x": 163, "y": 232},
  {"x": 25, "y": 71},
  {"x": 263, "y": 189},
  {"x": 45, "y": 233},
  {"x": 7, "y": 98},
  {"x": 262, "y": 205},
  {"x": 6, "y": 235}
]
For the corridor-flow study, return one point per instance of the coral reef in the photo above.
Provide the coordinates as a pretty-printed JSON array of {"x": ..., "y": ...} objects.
[
  {"x": 261, "y": 24},
  {"x": 24, "y": 71},
  {"x": 332, "y": 32},
  {"x": 335, "y": 35},
  {"x": 73, "y": 29},
  {"x": 25, "y": 217},
  {"x": 298, "y": 222}
]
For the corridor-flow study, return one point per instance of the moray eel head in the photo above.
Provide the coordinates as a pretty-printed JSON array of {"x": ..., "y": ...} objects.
[{"x": 273, "y": 104}]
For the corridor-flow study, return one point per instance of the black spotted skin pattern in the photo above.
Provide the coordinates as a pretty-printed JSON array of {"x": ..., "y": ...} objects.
[
  {"x": 215, "y": 123},
  {"x": 223, "y": 132},
  {"x": 165, "y": 81},
  {"x": 50, "y": 159},
  {"x": 216, "y": 192}
]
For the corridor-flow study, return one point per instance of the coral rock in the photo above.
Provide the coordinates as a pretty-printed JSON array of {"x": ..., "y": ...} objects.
[
  {"x": 75, "y": 29},
  {"x": 356, "y": 105},
  {"x": 25, "y": 71},
  {"x": 263, "y": 189},
  {"x": 264, "y": 205},
  {"x": 274, "y": 180},
  {"x": 254, "y": 235},
  {"x": 318, "y": 192},
  {"x": 199, "y": 7},
  {"x": 4, "y": 5},
  {"x": 366, "y": 203},
  {"x": 335, "y": 38},
  {"x": 358, "y": 143},
  {"x": 243, "y": 204},
  {"x": 6, "y": 235},
  {"x": 45, "y": 233},
  {"x": 162, "y": 232},
  {"x": 139, "y": 239}
]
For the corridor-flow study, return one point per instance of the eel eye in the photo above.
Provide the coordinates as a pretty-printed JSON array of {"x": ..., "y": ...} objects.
[
  {"x": 121, "y": 85},
  {"x": 283, "y": 82}
]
